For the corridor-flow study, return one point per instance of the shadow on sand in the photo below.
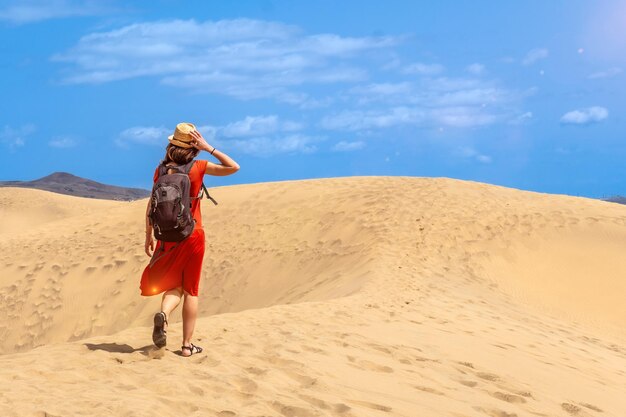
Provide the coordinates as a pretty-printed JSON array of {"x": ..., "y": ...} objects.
[{"x": 118, "y": 348}]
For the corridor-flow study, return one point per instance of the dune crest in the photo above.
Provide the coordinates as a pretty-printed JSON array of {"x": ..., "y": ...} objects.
[{"x": 341, "y": 296}]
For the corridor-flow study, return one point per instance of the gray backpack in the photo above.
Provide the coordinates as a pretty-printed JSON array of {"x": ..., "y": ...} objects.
[{"x": 170, "y": 211}]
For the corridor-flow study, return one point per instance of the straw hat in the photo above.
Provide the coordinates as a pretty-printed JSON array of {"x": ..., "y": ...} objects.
[{"x": 181, "y": 136}]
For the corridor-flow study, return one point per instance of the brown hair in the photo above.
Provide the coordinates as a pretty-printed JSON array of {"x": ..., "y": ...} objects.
[{"x": 179, "y": 155}]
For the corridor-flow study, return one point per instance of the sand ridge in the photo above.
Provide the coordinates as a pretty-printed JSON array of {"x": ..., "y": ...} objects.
[{"x": 343, "y": 296}]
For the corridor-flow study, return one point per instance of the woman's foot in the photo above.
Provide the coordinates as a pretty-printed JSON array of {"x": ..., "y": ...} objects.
[
  {"x": 190, "y": 350},
  {"x": 159, "y": 332}
]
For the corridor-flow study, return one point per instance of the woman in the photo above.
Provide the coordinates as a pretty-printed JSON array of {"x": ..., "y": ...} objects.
[{"x": 175, "y": 269}]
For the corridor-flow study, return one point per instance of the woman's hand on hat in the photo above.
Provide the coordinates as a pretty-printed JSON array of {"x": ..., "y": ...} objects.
[{"x": 198, "y": 142}]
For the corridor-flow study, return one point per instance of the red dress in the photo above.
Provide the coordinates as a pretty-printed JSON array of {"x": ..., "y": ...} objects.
[{"x": 173, "y": 265}]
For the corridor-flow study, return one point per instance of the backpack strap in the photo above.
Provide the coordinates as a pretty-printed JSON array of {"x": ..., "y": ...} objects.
[
  {"x": 203, "y": 191},
  {"x": 208, "y": 195},
  {"x": 183, "y": 169}
]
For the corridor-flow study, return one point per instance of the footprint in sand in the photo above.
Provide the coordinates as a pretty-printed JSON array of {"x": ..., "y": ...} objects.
[
  {"x": 338, "y": 408},
  {"x": 428, "y": 390},
  {"x": 246, "y": 385},
  {"x": 494, "y": 412},
  {"x": 119, "y": 262},
  {"x": 256, "y": 371},
  {"x": 371, "y": 366},
  {"x": 291, "y": 411},
  {"x": 487, "y": 376},
  {"x": 592, "y": 407},
  {"x": 372, "y": 406},
  {"x": 509, "y": 398},
  {"x": 575, "y": 410},
  {"x": 45, "y": 414},
  {"x": 313, "y": 349},
  {"x": 304, "y": 380}
]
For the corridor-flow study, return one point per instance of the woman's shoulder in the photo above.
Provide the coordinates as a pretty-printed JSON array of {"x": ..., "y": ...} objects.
[
  {"x": 199, "y": 168},
  {"x": 200, "y": 165}
]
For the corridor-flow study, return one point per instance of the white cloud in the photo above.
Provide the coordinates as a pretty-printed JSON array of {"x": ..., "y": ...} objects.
[
  {"x": 440, "y": 101},
  {"x": 242, "y": 58},
  {"x": 476, "y": 96},
  {"x": 345, "y": 146},
  {"x": 462, "y": 117},
  {"x": 471, "y": 153},
  {"x": 521, "y": 118},
  {"x": 373, "y": 119},
  {"x": 29, "y": 11},
  {"x": 268, "y": 146},
  {"x": 208, "y": 132},
  {"x": 475, "y": 69},
  {"x": 63, "y": 142},
  {"x": 256, "y": 135},
  {"x": 535, "y": 55},
  {"x": 423, "y": 69},
  {"x": 585, "y": 116},
  {"x": 609, "y": 73},
  {"x": 262, "y": 136},
  {"x": 387, "y": 92},
  {"x": 436, "y": 92},
  {"x": 259, "y": 126},
  {"x": 16, "y": 137},
  {"x": 144, "y": 135},
  {"x": 450, "y": 116}
]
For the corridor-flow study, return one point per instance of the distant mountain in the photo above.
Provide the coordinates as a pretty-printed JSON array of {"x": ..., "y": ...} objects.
[
  {"x": 65, "y": 183},
  {"x": 616, "y": 199}
]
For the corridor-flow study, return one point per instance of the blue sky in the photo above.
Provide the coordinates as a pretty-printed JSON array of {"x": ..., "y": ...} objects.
[{"x": 521, "y": 94}]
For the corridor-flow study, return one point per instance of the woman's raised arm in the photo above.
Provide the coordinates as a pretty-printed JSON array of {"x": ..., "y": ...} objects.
[{"x": 227, "y": 167}]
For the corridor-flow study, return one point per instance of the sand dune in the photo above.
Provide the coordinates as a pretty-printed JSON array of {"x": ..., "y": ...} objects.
[{"x": 360, "y": 296}]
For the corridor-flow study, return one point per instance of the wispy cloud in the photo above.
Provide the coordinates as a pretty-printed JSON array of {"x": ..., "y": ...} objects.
[
  {"x": 475, "y": 69},
  {"x": 608, "y": 73},
  {"x": 256, "y": 135},
  {"x": 439, "y": 101},
  {"x": 346, "y": 146},
  {"x": 471, "y": 153},
  {"x": 15, "y": 137},
  {"x": 373, "y": 119},
  {"x": 258, "y": 126},
  {"x": 462, "y": 117},
  {"x": 535, "y": 55},
  {"x": 423, "y": 69},
  {"x": 63, "y": 142},
  {"x": 268, "y": 146},
  {"x": 440, "y": 91},
  {"x": 521, "y": 118},
  {"x": 585, "y": 116},
  {"x": 143, "y": 135},
  {"x": 30, "y": 11},
  {"x": 242, "y": 58}
]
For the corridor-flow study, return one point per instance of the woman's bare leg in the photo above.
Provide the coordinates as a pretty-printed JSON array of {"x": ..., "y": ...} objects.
[
  {"x": 190, "y": 312},
  {"x": 170, "y": 301}
]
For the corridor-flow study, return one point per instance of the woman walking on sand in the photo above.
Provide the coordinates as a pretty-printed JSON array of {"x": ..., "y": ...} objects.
[{"x": 175, "y": 267}]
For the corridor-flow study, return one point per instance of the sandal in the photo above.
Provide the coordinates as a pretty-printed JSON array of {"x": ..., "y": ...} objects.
[
  {"x": 193, "y": 349},
  {"x": 159, "y": 334}
]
